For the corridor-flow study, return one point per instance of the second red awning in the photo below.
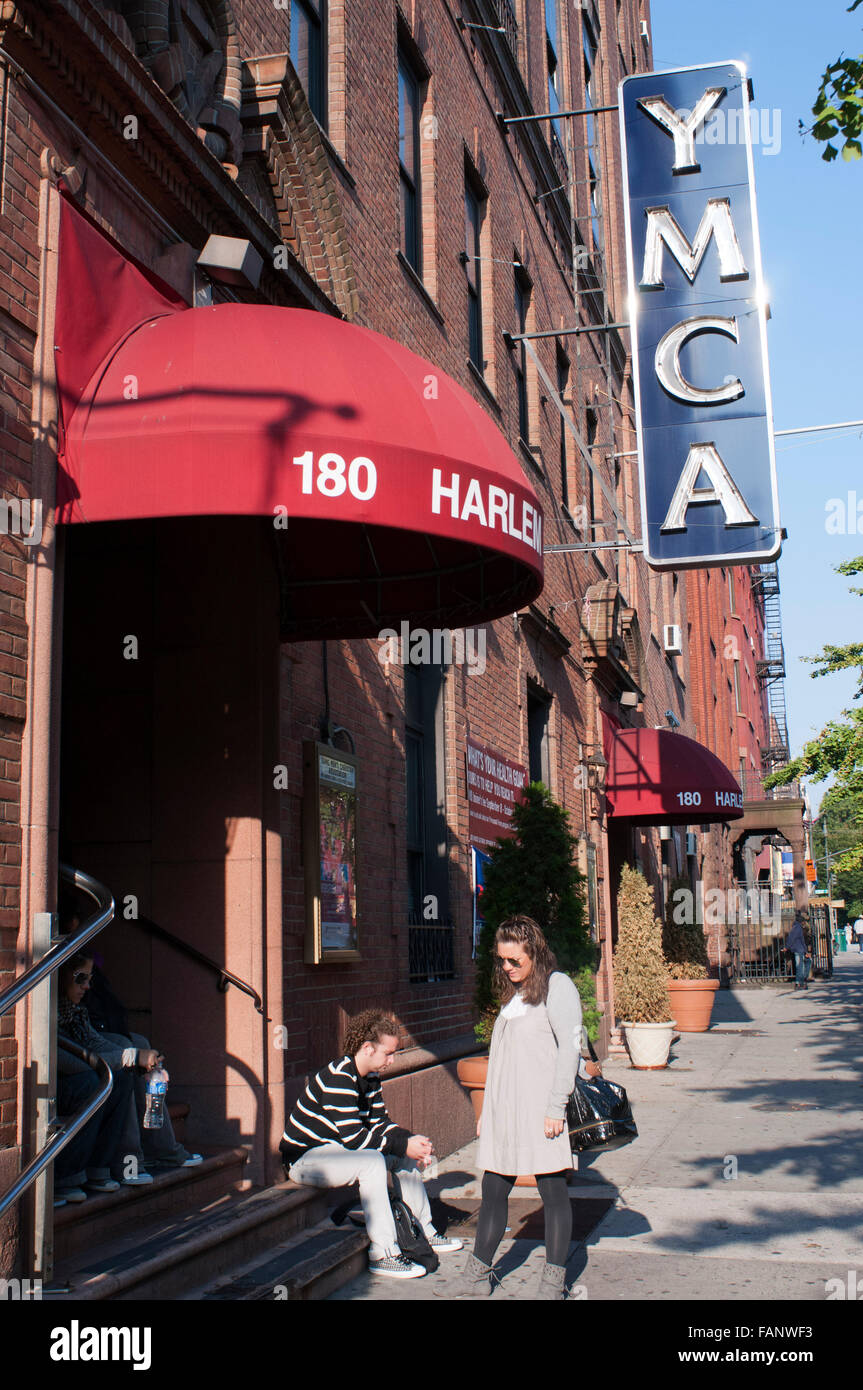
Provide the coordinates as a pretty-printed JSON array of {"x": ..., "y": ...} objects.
[{"x": 658, "y": 777}]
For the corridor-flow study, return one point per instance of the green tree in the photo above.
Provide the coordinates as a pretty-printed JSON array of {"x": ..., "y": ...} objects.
[
  {"x": 843, "y": 834},
  {"x": 838, "y": 749},
  {"x": 534, "y": 872},
  {"x": 838, "y": 108}
]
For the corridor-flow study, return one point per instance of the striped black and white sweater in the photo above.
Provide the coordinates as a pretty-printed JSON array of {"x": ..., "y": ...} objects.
[{"x": 339, "y": 1106}]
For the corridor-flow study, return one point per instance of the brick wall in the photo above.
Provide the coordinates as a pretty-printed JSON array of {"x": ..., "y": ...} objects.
[{"x": 19, "y": 147}]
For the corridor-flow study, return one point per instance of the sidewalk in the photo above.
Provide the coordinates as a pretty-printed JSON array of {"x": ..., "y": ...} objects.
[{"x": 771, "y": 1096}]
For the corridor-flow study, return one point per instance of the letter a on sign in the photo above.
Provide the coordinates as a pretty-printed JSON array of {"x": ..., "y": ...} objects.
[{"x": 698, "y": 320}]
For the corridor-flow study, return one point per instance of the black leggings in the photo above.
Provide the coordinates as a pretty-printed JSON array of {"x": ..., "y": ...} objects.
[{"x": 496, "y": 1188}]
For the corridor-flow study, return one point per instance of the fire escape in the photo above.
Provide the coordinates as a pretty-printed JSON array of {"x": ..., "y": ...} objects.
[{"x": 771, "y": 670}]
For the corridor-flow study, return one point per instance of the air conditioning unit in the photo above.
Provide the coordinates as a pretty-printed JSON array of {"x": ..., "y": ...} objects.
[
  {"x": 671, "y": 639},
  {"x": 645, "y": 32},
  {"x": 691, "y": 843}
]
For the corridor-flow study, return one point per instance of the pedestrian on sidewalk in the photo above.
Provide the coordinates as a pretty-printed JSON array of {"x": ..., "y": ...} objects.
[
  {"x": 339, "y": 1133},
  {"x": 796, "y": 943},
  {"x": 858, "y": 932},
  {"x": 533, "y": 1061}
]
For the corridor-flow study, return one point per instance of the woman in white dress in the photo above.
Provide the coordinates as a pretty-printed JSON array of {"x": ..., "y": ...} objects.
[{"x": 534, "y": 1057}]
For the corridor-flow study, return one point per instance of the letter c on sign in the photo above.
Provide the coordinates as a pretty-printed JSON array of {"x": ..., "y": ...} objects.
[{"x": 668, "y": 368}]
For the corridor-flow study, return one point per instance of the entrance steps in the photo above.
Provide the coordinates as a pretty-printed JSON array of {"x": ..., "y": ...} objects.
[{"x": 193, "y": 1235}]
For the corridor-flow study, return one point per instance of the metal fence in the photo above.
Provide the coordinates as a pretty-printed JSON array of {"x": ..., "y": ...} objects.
[
  {"x": 755, "y": 941},
  {"x": 431, "y": 953},
  {"x": 752, "y": 786}
]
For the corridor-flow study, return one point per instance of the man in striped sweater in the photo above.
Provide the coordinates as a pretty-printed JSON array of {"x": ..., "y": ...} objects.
[{"x": 339, "y": 1132}]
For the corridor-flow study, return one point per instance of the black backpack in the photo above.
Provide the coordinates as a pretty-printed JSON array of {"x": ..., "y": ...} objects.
[{"x": 412, "y": 1239}]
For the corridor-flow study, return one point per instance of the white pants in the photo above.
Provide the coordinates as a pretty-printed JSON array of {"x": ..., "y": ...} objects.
[{"x": 332, "y": 1165}]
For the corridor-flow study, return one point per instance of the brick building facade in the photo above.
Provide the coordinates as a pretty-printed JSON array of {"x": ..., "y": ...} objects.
[{"x": 359, "y": 150}]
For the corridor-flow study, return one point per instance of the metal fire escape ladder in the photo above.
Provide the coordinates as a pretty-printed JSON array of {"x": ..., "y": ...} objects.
[{"x": 771, "y": 670}]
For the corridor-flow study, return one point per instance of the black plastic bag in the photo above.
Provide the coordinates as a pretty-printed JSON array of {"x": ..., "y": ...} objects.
[{"x": 598, "y": 1114}]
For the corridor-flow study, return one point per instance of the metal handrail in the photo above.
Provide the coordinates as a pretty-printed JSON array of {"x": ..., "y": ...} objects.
[
  {"x": 70, "y": 945},
  {"x": 226, "y": 977},
  {"x": 52, "y": 960},
  {"x": 65, "y": 1130}
]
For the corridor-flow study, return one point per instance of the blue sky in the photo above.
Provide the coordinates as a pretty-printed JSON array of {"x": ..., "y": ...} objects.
[{"x": 810, "y": 217}]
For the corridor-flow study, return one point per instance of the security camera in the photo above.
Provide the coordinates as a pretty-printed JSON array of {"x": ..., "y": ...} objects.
[{"x": 672, "y": 719}]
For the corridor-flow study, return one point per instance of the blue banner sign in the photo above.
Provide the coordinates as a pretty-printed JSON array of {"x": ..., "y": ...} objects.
[{"x": 698, "y": 315}]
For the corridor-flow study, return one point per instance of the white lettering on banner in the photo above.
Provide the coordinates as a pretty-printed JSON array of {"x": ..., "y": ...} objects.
[
  {"x": 730, "y": 799},
  {"x": 501, "y": 508},
  {"x": 724, "y": 799},
  {"x": 331, "y": 481}
]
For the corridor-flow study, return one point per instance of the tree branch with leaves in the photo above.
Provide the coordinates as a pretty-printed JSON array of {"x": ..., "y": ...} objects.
[{"x": 838, "y": 108}]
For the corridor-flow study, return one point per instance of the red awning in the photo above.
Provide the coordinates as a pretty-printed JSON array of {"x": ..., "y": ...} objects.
[
  {"x": 658, "y": 777},
  {"x": 396, "y": 493}
]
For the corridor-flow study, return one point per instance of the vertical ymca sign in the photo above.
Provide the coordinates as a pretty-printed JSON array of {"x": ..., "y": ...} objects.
[{"x": 698, "y": 317}]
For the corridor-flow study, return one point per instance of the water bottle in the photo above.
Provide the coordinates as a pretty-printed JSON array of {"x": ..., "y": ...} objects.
[{"x": 157, "y": 1090}]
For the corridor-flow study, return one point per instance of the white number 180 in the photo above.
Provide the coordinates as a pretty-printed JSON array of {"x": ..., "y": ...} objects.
[{"x": 331, "y": 480}]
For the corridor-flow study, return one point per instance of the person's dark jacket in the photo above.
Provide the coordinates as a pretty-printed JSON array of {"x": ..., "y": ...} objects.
[{"x": 796, "y": 940}]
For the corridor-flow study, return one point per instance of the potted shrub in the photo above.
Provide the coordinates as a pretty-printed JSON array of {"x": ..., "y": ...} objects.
[
  {"x": 691, "y": 990},
  {"x": 533, "y": 872},
  {"x": 640, "y": 975}
]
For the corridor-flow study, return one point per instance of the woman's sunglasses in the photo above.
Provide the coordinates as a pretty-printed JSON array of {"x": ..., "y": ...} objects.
[{"x": 82, "y": 977}]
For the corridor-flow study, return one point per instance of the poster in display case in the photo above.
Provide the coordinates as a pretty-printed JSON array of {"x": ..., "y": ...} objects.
[{"x": 330, "y": 779}]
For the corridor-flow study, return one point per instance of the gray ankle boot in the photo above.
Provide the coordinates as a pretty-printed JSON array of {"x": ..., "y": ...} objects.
[
  {"x": 552, "y": 1283},
  {"x": 475, "y": 1281}
]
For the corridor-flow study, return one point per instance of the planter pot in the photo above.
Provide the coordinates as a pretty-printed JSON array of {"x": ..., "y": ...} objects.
[
  {"x": 472, "y": 1073},
  {"x": 649, "y": 1044},
  {"x": 692, "y": 1002}
]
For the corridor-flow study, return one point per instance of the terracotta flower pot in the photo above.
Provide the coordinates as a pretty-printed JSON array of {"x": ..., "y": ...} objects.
[
  {"x": 692, "y": 1003},
  {"x": 472, "y": 1072}
]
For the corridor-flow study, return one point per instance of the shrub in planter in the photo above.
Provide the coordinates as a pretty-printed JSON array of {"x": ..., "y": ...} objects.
[
  {"x": 640, "y": 975},
  {"x": 683, "y": 942},
  {"x": 533, "y": 872},
  {"x": 685, "y": 949}
]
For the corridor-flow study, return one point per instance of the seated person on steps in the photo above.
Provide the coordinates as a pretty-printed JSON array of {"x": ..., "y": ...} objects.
[
  {"x": 100, "y": 1018},
  {"x": 339, "y": 1133}
]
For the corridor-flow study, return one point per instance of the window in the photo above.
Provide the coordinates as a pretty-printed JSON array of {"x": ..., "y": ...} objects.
[
  {"x": 562, "y": 363},
  {"x": 409, "y": 162},
  {"x": 473, "y": 267},
  {"x": 522, "y": 297},
  {"x": 555, "y": 75},
  {"x": 425, "y": 824},
  {"x": 731, "y": 596},
  {"x": 591, "y": 421},
  {"x": 538, "y": 709},
  {"x": 590, "y": 48},
  {"x": 738, "y": 699},
  {"x": 307, "y": 53}
]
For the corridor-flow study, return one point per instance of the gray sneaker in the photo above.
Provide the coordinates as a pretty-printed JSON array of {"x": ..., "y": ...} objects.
[
  {"x": 444, "y": 1245},
  {"x": 396, "y": 1267}
]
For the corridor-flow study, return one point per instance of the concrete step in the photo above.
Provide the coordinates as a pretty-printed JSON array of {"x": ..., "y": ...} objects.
[
  {"x": 170, "y": 1255},
  {"x": 80, "y": 1227},
  {"x": 307, "y": 1267}
]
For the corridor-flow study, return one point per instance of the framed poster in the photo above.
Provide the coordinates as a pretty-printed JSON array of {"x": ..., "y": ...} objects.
[{"x": 330, "y": 779}]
